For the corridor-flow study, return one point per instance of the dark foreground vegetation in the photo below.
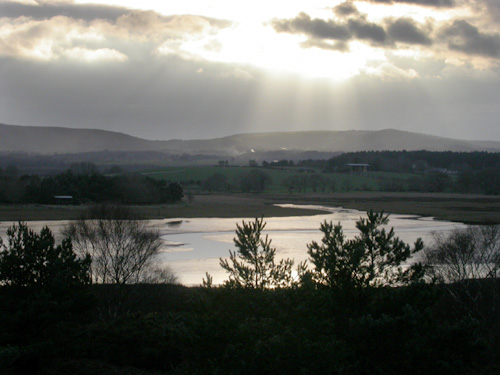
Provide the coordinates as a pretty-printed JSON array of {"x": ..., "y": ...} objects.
[
  {"x": 356, "y": 310},
  {"x": 178, "y": 330}
]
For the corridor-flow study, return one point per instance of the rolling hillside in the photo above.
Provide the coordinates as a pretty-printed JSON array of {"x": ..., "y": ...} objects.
[{"x": 51, "y": 140}]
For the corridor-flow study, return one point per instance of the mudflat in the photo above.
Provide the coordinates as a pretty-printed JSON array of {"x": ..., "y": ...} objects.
[{"x": 474, "y": 209}]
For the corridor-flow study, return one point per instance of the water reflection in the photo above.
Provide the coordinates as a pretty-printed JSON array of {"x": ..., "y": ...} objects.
[
  {"x": 192, "y": 247},
  {"x": 206, "y": 240}
]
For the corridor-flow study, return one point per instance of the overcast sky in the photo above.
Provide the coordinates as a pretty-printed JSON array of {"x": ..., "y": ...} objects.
[{"x": 203, "y": 69}]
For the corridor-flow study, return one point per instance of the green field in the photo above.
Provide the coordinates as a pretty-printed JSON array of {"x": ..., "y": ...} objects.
[
  {"x": 192, "y": 177},
  {"x": 193, "y": 173}
]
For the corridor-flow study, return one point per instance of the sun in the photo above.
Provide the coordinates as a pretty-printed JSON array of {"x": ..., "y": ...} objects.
[
  {"x": 257, "y": 45},
  {"x": 251, "y": 40}
]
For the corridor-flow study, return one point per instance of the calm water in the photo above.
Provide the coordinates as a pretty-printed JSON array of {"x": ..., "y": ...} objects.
[{"x": 194, "y": 246}]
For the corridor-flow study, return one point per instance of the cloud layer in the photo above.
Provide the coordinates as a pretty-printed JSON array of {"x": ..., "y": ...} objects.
[
  {"x": 347, "y": 24},
  {"x": 62, "y": 30},
  {"x": 429, "y": 3},
  {"x": 421, "y": 65}
]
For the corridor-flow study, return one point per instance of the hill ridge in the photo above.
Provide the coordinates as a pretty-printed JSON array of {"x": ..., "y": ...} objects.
[{"x": 60, "y": 140}]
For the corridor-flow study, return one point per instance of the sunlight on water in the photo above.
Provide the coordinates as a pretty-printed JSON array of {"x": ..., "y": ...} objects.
[
  {"x": 210, "y": 239},
  {"x": 192, "y": 247}
]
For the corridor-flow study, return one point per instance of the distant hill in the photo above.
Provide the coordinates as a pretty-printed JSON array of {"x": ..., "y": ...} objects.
[
  {"x": 333, "y": 141},
  {"x": 51, "y": 140}
]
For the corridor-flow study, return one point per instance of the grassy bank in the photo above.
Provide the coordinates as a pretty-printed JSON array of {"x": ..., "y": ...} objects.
[
  {"x": 223, "y": 206},
  {"x": 454, "y": 207}
]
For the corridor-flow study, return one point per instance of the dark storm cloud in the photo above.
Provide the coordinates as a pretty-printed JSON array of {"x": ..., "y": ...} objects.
[
  {"x": 456, "y": 36},
  {"x": 345, "y": 9},
  {"x": 464, "y": 37},
  {"x": 314, "y": 28},
  {"x": 87, "y": 12},
  {"x": 320, "y": 31},
  {"x": 90, "y": 12},
  {"x": 430, "y": 3},
  {"x": 407, "y": 31},
  {"x": 359, "y": 27},
  {"x": 366, "y": 30},
  {"x": 401, "y": 30}
]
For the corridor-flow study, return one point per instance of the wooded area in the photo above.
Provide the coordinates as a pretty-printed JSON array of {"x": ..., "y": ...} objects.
[{"x": 86, "y": 187}]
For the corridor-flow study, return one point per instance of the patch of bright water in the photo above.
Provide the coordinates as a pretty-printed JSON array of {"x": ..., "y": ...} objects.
[
  {"x": 210, "y": 239},
  {"x": 193, "y": 246}
]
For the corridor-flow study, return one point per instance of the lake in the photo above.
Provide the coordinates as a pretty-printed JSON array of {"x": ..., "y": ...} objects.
[{"x": 193, "y": 246}]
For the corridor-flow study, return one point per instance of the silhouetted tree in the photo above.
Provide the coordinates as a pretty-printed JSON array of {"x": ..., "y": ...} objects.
[
  {"x": 33, "y": 260},
  {"x": 254, "y": 181},
  {"x": 295, "y": 183},
  {"x": 372, "y": 258},
  {"x": 121, "y": 244},
  {"x": 252, "y": 265},
  {"x": 436, "y": 182},
  {"x": 216, "y": 182},
  {"x": 173, "y": 192},
  {"x": 318, "y": 182},
  {"x": 467, "y": 262}
]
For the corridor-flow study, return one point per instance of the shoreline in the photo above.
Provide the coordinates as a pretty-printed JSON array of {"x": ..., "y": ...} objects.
[{"x": 470, "y": 209}]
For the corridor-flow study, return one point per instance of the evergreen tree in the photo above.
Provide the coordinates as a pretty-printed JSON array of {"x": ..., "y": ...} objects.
[
  {"x": 253, "y": 264},
  {"x": 33, "y": 260},
  {"x": 372, "y": 258}
]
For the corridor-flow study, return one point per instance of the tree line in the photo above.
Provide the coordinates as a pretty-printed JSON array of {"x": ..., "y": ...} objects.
[
  {"x": 417, "y": 161},
  {"x": 257, "y": 180},
  {"x": 253, "y": 181},
  {"x": 453, "y": 172},
  {"x": 85, "y": 185},
  {"x": 484, "y": 181}
]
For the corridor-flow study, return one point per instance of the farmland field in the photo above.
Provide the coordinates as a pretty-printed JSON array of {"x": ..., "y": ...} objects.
[{"x": 192, "y": 177}]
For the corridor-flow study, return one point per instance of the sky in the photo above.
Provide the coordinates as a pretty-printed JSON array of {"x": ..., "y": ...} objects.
[{"x": 198, "y": 69}]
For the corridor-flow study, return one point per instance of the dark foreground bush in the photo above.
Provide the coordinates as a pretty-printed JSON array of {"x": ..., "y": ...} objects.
[{"x": 405, "y": 330}]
